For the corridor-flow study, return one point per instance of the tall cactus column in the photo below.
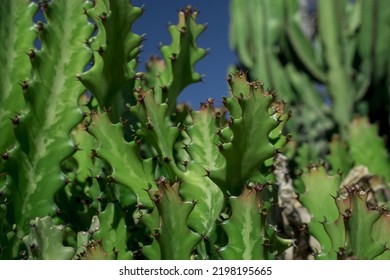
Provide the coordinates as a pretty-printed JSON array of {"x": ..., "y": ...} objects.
[
  {"x": 18, "y": 34},
  {"x": 43, "y": 127}
]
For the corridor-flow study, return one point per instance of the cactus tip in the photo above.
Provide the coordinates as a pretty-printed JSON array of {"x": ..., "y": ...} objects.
[
  {"x": 111, "y": 179},
  {"x": 220, "y": 146},
  {"x": 5, "y": 155},
  {"x": 15, "y": 120},
  {"x": 40, "y": 26},
  {"x": 102, "y": 16},
  {"x": 24, "y": 84}
]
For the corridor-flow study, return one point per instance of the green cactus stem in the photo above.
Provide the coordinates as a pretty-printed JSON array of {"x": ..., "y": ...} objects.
[
  {"x": 359, "y": 232},
  {"x": 44, "y": 242},
  {"x": 327, "y": 76},
  {"x": 115, "y": 49},
  {"x": 51, "y": 96},
  {"x": 339, "y": 157},
  {"x": 362, "y": 134},
  {"x": 128, "y": 168},
  {"x": 319, "y": 185},
  {"x": 346, "y": 226},
  {"x": 249, "y": 235},
  {"x": 18, "y": 35},
  {"x": 250, "y": 126},
  {"x": 204, "y": 157},
  {"x": 109, "y": 230},
  {"x": 182, "y": 55},
  {"x": 173, "y": 214}
]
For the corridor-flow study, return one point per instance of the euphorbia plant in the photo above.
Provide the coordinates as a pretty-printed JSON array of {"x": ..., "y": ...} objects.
[{"x": 104, "y": 164}]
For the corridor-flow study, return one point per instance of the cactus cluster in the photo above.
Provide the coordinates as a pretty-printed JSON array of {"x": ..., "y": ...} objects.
[
  {"x": 100, "y": 162},
  {"x": 328, "y": 62}
]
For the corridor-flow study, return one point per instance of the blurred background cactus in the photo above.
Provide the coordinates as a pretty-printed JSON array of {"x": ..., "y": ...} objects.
[
  {"x": 329, "y": 61},
  {"x": 99, "y": 161}
]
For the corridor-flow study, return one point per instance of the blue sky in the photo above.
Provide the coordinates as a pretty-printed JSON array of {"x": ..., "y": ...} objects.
[{"x": 214, "y": 66}]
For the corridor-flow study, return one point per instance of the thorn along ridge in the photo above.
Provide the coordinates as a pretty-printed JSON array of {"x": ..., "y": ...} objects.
[
  {"x": 32, "y": 54},
  {"x": 5, "y": 155},
  {"x": 100, "y": 50},
  {"x": 188, "y": 10},
  {"x": 103, "y": 16},
  {"x": 24, "y": 85},
  {"x": 15, "y": 120},
  {"x": 40, "y": 26},
  {"x": 44, "y": 5}
]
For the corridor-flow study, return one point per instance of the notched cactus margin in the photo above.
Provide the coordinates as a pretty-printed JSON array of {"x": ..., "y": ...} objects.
[
  {"x": 204, "y": 157},
  {"x": 360, "y": 225},
  {"x": 173, "y": 214},
  {"x": 250, "y": 126},
  {"x": 124, "y": 157},
  {"x": 94, "y": 250},
  {"x": 18, "y": 35},
  {"x": 115, "y": 49},
  {"x": 8, "y": 235},
  {"x": 109, "y": 235},
  {"x": 211, "y": 165},
  {"x": 157, "y": 130},
  {"x": 51, "y": 96},
  {"x": 360, "y": 232},
  {"x": 247, "y": 229},
  {"x": 346, "y": 227},
  {"x": 84, "y": 157},
  {"x": 351, "y": 155},
  {"x": 362, "y": 135},
  {"x": 45, "y": 241},
  {"x": 319, "y": 185},
  {"x": 181, "y": 56},
  {"x": 150, "y": 248}
]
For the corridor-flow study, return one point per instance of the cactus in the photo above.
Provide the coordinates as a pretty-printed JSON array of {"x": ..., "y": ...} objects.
[
  {"x": 180, "y": 58},
  {"x": 34, "y": 164},
  {"x": 376, "y": 158},
  {"x": 107, "y": 151},
  {"x": 109, "y": 228},
  {"x": 44, "y": 242},
  {"x": 242, "y": 154},
  {"x": 109, "y": 84},
  {"x": 173, "y": 214},
  {"x": 340, "y": 63},
  {"x": 16, "y": 27},
  {"x": 249, "y": 238},
  {"x": 42, "y": 126},
  {"x": 327, "y": 76},
  {"x": 345, "y": 227}
]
